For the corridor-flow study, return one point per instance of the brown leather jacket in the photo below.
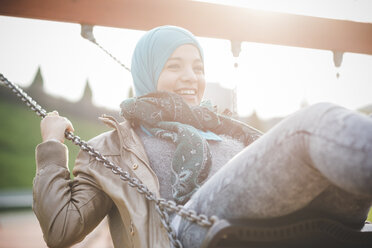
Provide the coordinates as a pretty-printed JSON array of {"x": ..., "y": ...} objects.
[{"x": 69, "y": 209}]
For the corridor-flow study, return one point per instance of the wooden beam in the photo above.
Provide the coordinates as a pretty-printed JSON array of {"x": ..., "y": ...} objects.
[{"x": 203, "y": 19}]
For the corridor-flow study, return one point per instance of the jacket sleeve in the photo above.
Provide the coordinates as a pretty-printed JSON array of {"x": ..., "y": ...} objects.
[{"x": 66, "y": 209}]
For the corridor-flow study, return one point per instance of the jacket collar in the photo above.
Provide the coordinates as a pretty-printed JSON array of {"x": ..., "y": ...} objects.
[{"x": 130, "y": 142}]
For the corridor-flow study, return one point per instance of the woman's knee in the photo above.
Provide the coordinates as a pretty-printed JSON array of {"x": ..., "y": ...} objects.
[
  {"x": 306, "y": 121},
  {"x": 320, "y": 109},
  {"x": 323, "y": 116}
]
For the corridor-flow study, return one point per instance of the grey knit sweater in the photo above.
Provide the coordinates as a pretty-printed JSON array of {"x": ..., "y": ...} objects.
[{"x": 160, "y": 153}]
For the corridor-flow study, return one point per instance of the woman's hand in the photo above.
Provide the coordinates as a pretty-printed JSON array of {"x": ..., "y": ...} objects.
[{"x": 54, "y": 126}]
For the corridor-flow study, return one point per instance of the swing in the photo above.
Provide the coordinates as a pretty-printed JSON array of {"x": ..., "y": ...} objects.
[{"x": 286, "y": 231}]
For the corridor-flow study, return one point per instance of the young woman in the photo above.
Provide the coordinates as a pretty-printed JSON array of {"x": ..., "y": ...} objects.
[{"x": 318, "y": 159}]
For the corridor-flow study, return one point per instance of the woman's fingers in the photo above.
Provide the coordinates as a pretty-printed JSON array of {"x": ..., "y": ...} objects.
[
  {"x": 69, "y": 127},
  {"x": 53, "y": 113},
  {"x": 54, "y": 126}
]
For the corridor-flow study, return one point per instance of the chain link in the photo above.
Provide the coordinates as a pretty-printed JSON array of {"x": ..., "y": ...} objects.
[
  {"x": 112, "y": 56},
  {"x": 162, "y": 206},
  {"x": 24, "y": 97}
]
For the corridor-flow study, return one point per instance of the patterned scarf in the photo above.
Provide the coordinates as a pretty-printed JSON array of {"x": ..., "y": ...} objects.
[{"x": 167, "y": 116}]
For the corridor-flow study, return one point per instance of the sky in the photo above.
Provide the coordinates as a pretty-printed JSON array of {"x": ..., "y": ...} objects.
[{"x": 270, "y": 79}]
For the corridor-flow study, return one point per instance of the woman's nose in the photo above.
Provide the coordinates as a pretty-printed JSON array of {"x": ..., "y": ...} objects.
[{"x": 189, "y": 75}]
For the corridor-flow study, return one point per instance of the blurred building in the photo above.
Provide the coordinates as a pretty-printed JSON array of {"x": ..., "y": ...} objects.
[
  {"x": 223, "y": 98},
  {"x": 83, "y": 108}
]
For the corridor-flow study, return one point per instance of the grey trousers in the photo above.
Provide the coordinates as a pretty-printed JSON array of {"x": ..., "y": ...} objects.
[{"x": 319, "y": 158}]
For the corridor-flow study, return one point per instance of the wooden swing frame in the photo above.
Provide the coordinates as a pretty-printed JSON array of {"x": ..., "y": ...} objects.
[{"x": 205, "y": 20}]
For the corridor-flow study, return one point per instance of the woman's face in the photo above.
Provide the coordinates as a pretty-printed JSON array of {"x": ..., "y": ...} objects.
[{"x": 183, "y": 74}]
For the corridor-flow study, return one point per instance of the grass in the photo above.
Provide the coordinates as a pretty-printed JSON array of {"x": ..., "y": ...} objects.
[{"x": 19, "y": 135}]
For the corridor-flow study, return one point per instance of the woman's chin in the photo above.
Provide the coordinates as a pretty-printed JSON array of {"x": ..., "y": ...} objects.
[{"x": 191, "y": 100}]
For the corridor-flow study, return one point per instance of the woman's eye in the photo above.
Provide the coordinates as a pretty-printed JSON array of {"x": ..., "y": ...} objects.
[
  {"x": 199, "y": 68},
  {"x": 173, "y": 66}
]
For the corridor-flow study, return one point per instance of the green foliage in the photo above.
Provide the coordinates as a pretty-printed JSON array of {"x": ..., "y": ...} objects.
[{"x": 20, "y": 134}]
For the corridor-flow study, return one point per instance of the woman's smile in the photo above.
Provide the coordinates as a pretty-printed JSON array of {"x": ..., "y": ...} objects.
[{"x": 189, "y": 95}]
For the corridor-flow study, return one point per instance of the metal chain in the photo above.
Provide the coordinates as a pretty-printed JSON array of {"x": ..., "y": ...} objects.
[
  {"x": 112, "y": 56},
  {"x": 162, "y": 205},
  {"x": 87, "y": 33}
]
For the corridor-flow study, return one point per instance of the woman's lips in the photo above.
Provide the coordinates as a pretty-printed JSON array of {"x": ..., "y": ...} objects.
[
  {"x": 186, "y": 92},
  {"x": 189, "y": 95}
]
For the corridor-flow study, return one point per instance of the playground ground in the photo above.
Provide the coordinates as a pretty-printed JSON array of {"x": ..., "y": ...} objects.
[{"x": 19, "y": 229}]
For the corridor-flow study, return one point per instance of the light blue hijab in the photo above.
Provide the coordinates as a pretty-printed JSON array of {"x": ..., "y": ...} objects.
[{"x": 152, "y": 52}]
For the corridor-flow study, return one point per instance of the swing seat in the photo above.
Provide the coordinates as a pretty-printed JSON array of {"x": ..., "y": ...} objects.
[{"x": 281, "y": 233}]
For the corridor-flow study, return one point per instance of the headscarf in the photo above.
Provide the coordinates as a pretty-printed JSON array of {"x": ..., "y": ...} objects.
[{"x": 152, "y": 52}]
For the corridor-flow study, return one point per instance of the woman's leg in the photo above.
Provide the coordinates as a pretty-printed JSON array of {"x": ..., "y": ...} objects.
[{"x": 316, "y": 149}]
